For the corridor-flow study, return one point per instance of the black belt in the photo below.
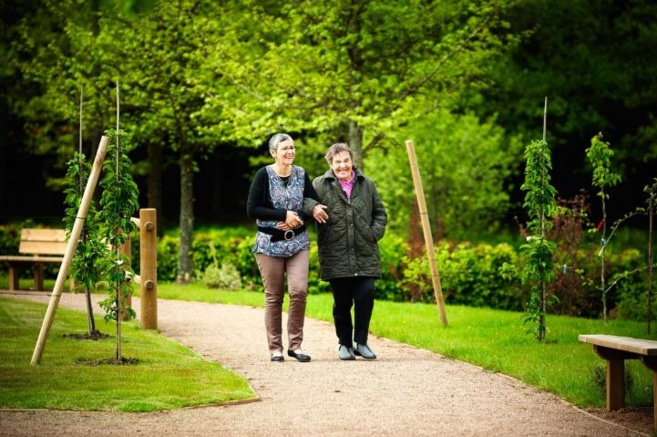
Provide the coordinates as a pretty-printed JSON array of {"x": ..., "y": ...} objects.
[{"x": 278, "y": 235}]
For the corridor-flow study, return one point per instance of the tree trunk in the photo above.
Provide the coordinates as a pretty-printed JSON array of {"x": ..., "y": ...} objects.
[
  {"x": 119, "y": 316},
  {"x": 356, "y": 143},
  {"x": 155, "y": 183},
  {"x": 91, "y": 323},
  {"x": 216, "y": 190},
  {"x": 186, "y": 219},
  {"x": 356, "y": 66}
]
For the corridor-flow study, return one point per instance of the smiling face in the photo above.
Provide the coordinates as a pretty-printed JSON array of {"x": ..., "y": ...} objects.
[
  {"x": 284, "y": 153},
  {"x": 342, "y": 165}
]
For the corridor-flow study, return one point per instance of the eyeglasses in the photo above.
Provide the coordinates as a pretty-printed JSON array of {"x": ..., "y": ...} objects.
[{"x": 286, "y": 149}]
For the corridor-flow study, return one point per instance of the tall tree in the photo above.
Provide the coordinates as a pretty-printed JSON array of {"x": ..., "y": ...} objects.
[{"x": 356, "y": 70}]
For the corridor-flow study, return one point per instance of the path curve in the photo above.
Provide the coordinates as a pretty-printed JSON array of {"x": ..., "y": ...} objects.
[{"x": 407, "y": 391}]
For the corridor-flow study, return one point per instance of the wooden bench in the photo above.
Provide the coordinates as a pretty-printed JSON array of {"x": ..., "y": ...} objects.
[
  {"x": 616, "y": 350},
  {"x": 41, "y": 245}
]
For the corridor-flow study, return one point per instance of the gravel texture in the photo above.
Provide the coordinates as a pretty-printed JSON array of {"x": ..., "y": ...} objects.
[{"x": 407, "y": 391}]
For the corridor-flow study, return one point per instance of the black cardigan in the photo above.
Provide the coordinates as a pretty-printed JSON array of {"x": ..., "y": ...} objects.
[{"x": 259, "y": 206}]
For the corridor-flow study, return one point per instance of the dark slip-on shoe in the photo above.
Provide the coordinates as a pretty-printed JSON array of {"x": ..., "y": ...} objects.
[{"x": 299, "y": 355}]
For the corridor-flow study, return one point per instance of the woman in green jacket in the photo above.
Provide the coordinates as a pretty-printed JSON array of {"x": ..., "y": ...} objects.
[{"x": 348, "y": 251}]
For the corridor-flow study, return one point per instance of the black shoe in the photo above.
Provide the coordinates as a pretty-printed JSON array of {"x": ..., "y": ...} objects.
[
  {"x": 299, "y": 355},
  {"x": 277, "y": 357}
]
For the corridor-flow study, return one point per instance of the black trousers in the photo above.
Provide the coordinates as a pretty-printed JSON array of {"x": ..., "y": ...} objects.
[{"x": 359, "y": 292}]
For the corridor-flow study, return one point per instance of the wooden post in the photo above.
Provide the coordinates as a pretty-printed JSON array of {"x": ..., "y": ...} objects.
[
  {"x": 426, "y": 229},
  {"x": 654, "y": 400},
  {"x": 615, "y": 384},
  {"x": 126, "y": 250},
  {"x": 148, "y": 267},
  {"x": 70, "y": 250},
  {"x": 38, "y": 277},
  {"x": 14, "y": 274}
]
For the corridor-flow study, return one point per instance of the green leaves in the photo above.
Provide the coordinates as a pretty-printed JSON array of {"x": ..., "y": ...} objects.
[
  {"x": 540, "y": 198},
  {"x": 374, "y": 64},
  {"x": 599, "y": 156},
  {"x": 120, "y": 198},
  {"x": 85, "y": 268}
]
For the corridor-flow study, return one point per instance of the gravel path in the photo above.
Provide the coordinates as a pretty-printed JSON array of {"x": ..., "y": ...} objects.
[{"x": 407, "y": 391}]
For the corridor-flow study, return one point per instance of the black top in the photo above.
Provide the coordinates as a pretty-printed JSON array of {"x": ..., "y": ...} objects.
[{"x": 259, "y": 205}]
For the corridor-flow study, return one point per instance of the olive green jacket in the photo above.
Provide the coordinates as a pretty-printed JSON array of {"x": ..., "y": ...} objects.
[{"x": 348, "y": 241}]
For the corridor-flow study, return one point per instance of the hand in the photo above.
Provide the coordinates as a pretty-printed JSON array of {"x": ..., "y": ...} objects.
[
  {"x": 293, "y": 220},
  {"x": 319, "y": 213},
  {"x": 283, "y": 226}
]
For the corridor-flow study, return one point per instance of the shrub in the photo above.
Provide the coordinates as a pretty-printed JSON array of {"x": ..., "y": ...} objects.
[
  {"x": 225, "y": 277},
  {"x": 470, "y": 275}
]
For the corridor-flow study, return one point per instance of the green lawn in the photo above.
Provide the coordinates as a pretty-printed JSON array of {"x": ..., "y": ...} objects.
[
  {"x": 493, "y": 339},
  {"x": 168, "y": 375}
]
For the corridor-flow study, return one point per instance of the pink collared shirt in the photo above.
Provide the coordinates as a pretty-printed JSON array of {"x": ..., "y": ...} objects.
[{"x": 347, "y": 186}]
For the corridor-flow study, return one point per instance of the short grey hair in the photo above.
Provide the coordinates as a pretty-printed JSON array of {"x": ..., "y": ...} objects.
[
  {"x": 278, "y": 138},
  {"x": 336, "y": 149}
]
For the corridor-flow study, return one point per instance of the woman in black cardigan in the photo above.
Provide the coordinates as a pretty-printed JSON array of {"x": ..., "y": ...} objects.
[{"x": 276, "y": 200}]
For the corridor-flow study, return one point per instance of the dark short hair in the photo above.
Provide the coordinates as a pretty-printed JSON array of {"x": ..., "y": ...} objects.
[
  {"x": 276, "y": 139},
  {"x": 336, "y": 149}
]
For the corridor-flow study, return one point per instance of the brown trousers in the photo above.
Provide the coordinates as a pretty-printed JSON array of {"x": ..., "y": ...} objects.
[{"x": 273, "y": 271}]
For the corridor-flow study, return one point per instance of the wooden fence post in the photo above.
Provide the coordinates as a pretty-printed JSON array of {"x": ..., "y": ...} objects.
[
  {"x": 426, "y": 229},
  {"x": 70, "y": 250},
  {"x": 148, "y": 267}
]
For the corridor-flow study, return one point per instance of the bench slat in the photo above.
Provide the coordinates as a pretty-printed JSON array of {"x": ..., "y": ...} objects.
[
  {"x": 19, "y": 258},
  {"x": 43, "y": 247},
  {"x": 43, "y": 235},
  {"x": 627, "y": 344}
]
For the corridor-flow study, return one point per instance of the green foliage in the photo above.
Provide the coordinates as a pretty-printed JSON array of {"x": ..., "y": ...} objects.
[
  {"x": 393, "y": 265},
  {"x": 541, "y": 206},
  {"x": 120, "y": 198},
  {"x": 470, "y": 275},
  {"x": 86, "y": 265},
  {"x": 598, "y": 378},
  {"x": 10, "y": 238},
  {"x": 540, "y": 198},
  {"x": 344, "y": 78},
  {"x": 225, "y": 277},
  {"x": 465, "y": 164},
  {"x": 631, "y": 289},
  {"x": 599, "y": 156}
]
